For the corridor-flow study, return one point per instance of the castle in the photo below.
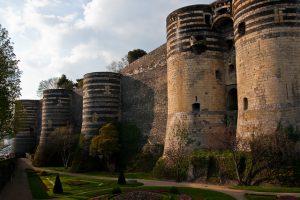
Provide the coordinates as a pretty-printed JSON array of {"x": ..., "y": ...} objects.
[{"x": 233, "y": 63}]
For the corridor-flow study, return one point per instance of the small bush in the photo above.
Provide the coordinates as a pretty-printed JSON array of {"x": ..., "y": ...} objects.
[
  {"x": 174, "y": 190},
  {"x": 143, "y": 162},
  {"x": 121, "y": 179},
  {"x": 116, "y": 190},
  {"x": 57, "y": 189},
  {"x": 44, "y": 173},
  {"x": 163, "y": 170}
]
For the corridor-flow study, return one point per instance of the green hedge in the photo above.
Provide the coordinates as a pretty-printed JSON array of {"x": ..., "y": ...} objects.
[
  {"x": 212, "y": 165},
  {"x": 7, "y": 168}
]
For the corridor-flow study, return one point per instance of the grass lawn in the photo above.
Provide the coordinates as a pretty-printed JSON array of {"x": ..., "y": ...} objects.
[
  {"x": 268, "y": 189},
  {"x": 194, "y": 193},
  {"x": 84, "y": 188},
  {"x": 80, "y": 188},
  {"x": 131, "y": 175},
  {"x": 260, "y": 197},
  {"x": 36, "y": 185}
]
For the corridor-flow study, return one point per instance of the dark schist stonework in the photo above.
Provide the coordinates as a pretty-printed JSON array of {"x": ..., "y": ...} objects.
[{"x": 144, "y": 95}]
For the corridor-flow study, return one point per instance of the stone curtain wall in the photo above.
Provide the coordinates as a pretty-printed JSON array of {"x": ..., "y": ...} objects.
[{"x": 144, "y": 95}]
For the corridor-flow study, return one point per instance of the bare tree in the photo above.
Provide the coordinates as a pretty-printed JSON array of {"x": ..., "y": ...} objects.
[
  {"x": 178, "y": 152},
  {"x": 63, "y": 141},
  {"x": 117, "y": 66},
  {"x": 51, "y": 83},
  {"x": 261, "y": 158}
]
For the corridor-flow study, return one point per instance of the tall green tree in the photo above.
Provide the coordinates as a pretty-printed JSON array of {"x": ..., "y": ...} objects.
[
  {"x": 135, "y": 54},
  {"x": 9, "y": 83},
  {"x": 106, "y": 145},
  {"x": 65, "y": 83}
]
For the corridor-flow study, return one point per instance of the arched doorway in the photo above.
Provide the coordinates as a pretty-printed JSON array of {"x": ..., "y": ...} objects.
[{"x": 232, "y": 103}]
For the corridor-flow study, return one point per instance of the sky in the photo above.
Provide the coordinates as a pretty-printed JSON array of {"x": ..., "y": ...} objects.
[{"x": 75, "y": 37}]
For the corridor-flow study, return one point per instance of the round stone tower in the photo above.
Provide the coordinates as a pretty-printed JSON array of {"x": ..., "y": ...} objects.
[
  {"x": 101, "y": 101},
  {"x": 28, "y": 122},
  {"x": 267, "y": 42},
  {"x": 196, "y": 89},
  {"x": 56, "y": 112}
]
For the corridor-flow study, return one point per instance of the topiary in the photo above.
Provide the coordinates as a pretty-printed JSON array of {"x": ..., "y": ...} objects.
[
  {"x": 174, "y": 190},
  {"x": 116, "y": 190},
  {"x": 57, "y": 189},
  {"x": 121, "y": 179}
]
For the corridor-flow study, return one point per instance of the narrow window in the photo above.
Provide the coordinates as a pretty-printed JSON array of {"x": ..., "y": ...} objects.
[
  {"x": 196, "y": 108},
  {"x": 242, "y": 28},
  {"x": 231, "y": 69},
  {"x": 229, "y": 44},
  {"x": 196, "y": 98},
  {"x": 207, "y": 19},
  {"x": 232, "y": 103},
  {"x": 287, "y": 91},
  {"x": 218, "y": 75},
  {"x": 245, "y": 103}
]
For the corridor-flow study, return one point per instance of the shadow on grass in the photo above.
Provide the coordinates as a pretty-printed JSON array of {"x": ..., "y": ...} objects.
[{"x": 37, "y": 187}]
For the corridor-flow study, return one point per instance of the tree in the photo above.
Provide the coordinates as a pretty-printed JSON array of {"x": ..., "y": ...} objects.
[
  {"x": 178, "y": 154},
  {"x": 106, "y": 145},
  {"x": 57, "y": 189},
  {"x": 18, "y": 115},
  {"x": 129, "y": 139},
  {"x": 79, "y": 83},
  {"x": 121, "y": 179},
  {"x": 9, "y": 83},
  {"x": 117, "y": 66},
  {"x": 261, "y": 158},
  {"x": 63, "y": 142},
  {"x": 135, "y": 54},
  {"x": 65, "y": 83},
  {"x": 51, "y": 83}
]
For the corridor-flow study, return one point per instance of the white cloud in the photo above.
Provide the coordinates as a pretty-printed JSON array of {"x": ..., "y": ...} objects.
[{"x": 76, "y": 37}]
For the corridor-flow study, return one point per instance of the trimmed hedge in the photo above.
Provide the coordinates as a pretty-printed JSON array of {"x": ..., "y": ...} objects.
[{"x": 7, "y": 168}]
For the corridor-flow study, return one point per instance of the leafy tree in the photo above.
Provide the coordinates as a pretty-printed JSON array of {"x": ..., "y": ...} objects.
[
  {"x": 129, "y": 140},
  {"x": 116, "y": 145},
  {"x": 135, "y": 54},
  {"x": 63, "y": 141},
  {"x": 79, "y": 83},
  {"x": 51, "y": 83},
  {"x": 65, "y": 83},
  {"x": 18, "y": 115},
  {"x": 9, "y": 82},
  {"x": 106, "y": 145}
]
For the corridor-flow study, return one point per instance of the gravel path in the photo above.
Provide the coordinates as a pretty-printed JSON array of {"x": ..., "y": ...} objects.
[{"x": 17, "y": 188}]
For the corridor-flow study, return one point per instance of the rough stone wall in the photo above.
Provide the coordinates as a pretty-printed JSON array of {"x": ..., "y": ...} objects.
[
  {"x": 196, "y": 75},
  {"x": 101, "y": 101},
  {"x": 30, "y": 119},
  {"x": 267, "y": 56},
  {"x": 144, "y": 95}
]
